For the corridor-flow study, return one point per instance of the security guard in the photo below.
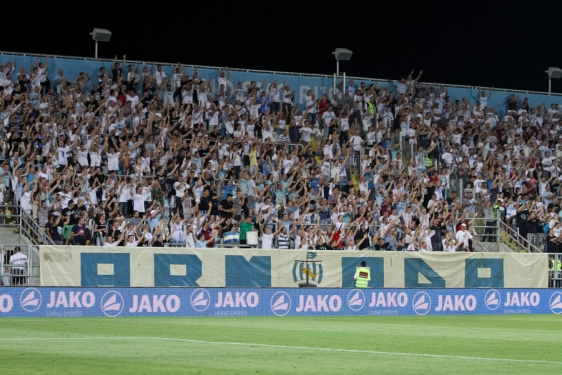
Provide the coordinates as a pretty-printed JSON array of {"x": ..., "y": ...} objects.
[
  {"x": 427, "y": 161},
  {"x": 555, "y": 272},
  {"x": 556, "y": 264},
  {"x": 371, "y": 107},
  {"x": 362, "y": 276}
]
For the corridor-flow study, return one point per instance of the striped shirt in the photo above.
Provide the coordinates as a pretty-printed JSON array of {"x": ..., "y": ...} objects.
[
  {"x": 283, "y": 241},
  {"x": 283, "y": 138}
]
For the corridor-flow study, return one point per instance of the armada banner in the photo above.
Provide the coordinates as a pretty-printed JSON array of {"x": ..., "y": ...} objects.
[{"x": 75, "y": 266}]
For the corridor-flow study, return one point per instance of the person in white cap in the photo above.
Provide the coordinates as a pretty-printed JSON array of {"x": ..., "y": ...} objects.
[{"x": 463, "y": 235}]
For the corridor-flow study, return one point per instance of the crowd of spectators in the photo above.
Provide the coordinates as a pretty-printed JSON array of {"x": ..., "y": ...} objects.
[{"x": 133, "y": 157}]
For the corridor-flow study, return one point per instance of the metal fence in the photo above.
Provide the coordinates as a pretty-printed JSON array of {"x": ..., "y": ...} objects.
[
  {"x": 12, "y": 216},
  {"x": 191, "y": 66},
  {"x": 555, "y": 270},
  {"x": 19, "y": 265}
]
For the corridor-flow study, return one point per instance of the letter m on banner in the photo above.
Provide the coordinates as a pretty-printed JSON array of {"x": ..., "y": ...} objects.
[{"x": 253, "y": 273}]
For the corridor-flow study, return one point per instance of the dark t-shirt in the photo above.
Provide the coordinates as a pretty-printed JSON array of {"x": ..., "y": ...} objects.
[
  {"x": 533, "y": 225},
  {"x": 53, "y": 231},
  {"x": 204, "y": 203},
  {"x": 225, "y": 204},
  {"x": 359, "y": 236},
  {"x": 522, "y": 220},
  {"x": 73, "y": 219},
  {"x": 81, "y": 231}
]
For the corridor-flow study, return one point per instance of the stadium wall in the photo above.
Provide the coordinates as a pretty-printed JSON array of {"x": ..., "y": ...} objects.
[
  {"x": 75, "y": 266},
  {"x": 133, "y": 302},
  {"x": 300, "y": 83}
]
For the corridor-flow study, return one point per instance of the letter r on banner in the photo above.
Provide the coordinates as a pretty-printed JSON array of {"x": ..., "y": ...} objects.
[{"x": 89, "y": 269}]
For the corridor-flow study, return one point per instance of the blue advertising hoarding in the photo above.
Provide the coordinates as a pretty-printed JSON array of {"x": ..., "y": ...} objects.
[{"x": 131, "y": 302}]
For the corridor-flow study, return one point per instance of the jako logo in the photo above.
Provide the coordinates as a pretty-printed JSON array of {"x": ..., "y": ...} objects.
[
  {"x": 421, "y": 303},
  {"x": 355, "y": 300},
  {"x": 6, "y": 303},
  {"x": 112, "y": 304},
  {"x": 556, "y": 303},
  {"x": 200, "y": 300},
  {"x": 30, "y": 300},
  {"x": 492, "y": 299},
  {"x": 280, "y": 304}
]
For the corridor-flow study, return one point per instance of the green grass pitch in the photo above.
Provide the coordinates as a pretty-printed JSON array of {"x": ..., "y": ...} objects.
[{"x": 522, "y": 344}]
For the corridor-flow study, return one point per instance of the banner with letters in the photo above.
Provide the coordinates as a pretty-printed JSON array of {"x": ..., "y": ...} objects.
[
  {"x": 131, "y": 302},
  {"x": 74, "y": 266}
]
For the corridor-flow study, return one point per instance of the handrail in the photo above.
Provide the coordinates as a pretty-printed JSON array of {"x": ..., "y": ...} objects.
[
  {"x": 25, "y": 222},
  {"x": 473, "y": 87},
  {"x": 481, "y": 247},
  {"x": 521, "y": 241},
  {"x": 36, "y": 229}
]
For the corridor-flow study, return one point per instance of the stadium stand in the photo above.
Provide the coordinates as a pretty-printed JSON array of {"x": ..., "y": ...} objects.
[{"x": 133, "y": 156}]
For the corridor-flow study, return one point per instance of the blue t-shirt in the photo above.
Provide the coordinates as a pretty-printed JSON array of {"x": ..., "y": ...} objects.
[{"x": 226, "y": 190}]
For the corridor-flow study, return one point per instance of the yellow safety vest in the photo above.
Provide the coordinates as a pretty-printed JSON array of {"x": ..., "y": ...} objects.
[
  {"x": 363, "y": 277},
  {"x": 427, "y": 161},
  {"x": 558, "y": 264},
  {"x": 371, "y": 108},
  {"x": 496, "y": 211}
]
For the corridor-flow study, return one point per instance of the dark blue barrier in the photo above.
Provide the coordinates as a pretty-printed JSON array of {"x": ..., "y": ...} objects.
[{"x": 113, "y": 302}]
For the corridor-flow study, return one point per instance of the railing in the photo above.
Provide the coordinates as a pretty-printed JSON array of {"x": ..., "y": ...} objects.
[
  {"x": 514, "y": 238},
  {"x": 109, "y": 61},
  {"x": 555, "y": 270},
  {"x": 19, "y": 274},
  {"x": 12, "y": 216}
]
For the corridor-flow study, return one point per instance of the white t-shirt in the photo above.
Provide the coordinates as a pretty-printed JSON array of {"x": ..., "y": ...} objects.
[
  {"x": 138, "y": 202},
  {"x": 267, "y": 241},
  {"x": 305, "y": 131},
  {"x": 25, "y": 201},
  {"x": 448, "y": 158},
  {"x": 159, "y": 75},
  {"x": 63, "y": 155},
  {"x": 113, "y": 161},
  {"x": 463, "y": 235},
  {"x": 356, "y": 141},
  {"x": 18, "y": 259}
]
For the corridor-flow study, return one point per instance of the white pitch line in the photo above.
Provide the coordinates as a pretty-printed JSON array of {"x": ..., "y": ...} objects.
[{"x": 284, "y": 347}]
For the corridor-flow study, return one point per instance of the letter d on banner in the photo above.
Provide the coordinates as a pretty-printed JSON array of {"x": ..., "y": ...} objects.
[{"x": 163, "y": 269}]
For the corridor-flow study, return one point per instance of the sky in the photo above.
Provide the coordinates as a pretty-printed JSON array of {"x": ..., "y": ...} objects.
[{"x": 502, "y": 44}]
